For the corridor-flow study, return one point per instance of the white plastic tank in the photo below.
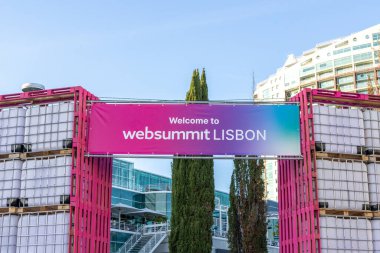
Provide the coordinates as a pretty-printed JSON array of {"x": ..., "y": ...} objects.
[
  {"x": 12, "y": 128},
  {"x": 376, "y": 234},
  {"x": 372, "y": 130},
  {"x": 374, "y": 185},
  {"x": 10, "y": 182},
  {"x": 46, "y": 181},
  {"x": 48, "y": 126},
  {"x": 41, "y": 232},
  {"x": 8, "y": 233},
  {"x": 342, "y": 184},
  {"x": 341, "y": 130},
  {"x": 345, "y": 234}
]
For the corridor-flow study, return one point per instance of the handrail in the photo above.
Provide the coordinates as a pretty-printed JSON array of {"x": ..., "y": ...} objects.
[
  {"x": 159, "y": 232},
  {"x": 124, "y": 226},
  {"x": 131, "y": 241}
]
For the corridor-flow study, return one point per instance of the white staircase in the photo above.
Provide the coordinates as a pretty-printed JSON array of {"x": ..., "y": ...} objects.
[{"x": 146, "y": 240}]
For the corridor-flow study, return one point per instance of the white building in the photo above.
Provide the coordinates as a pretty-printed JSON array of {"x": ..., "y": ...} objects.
[{"x": 349, "y": 64}]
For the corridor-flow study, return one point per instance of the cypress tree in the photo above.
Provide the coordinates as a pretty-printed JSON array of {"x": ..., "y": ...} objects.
[
  {"x": 192, "y": 193},
  {"x": 234, "y": 233},
  {"x": 203, "y": 86},
  {"x": 247, "y": 218}
]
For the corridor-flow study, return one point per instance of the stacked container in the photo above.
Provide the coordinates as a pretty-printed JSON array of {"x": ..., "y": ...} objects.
[
  {"x": 46, "y": 181},
  {"x": 376, "y": 234},
  {"x": 338, "y": 130},
  {"x": 328, "y": 201},
  {"x": 10, "y": 182},
  {"x": 8, "y": 232},
  {"x": 345, "y": 234},
  {"x": 49, "y": 126},
  {"x": 374, "y": 185},
  {"x": 43, "y": 232},
  {"x": 342, "y": 184},
  {"x": 52, "y": 197},
  {"x": 372, "y": 134},
  {"x": 12, "y": 127}
]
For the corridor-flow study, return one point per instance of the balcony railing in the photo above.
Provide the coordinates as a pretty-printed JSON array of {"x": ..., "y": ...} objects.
[{"x": 125, "y": 226}]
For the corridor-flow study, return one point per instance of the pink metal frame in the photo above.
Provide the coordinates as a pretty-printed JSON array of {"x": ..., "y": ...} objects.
[
  {"x": 297, "y": 180},
  {"x": 91, "y": 178}
]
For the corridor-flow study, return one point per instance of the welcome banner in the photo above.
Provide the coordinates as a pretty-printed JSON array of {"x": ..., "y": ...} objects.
[{"x": 194, "y": 129}]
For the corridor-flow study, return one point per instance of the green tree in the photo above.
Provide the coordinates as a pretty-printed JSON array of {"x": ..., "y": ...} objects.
[
  {"x": 234, "y": 233},
  {"x": 247, "y": 214},
  {"x": 192, "y": 192}
]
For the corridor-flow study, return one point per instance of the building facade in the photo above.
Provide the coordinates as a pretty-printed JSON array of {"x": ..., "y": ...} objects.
[
  {"x": 348, "y": 64},
  {"x": 144, "y": 199}
]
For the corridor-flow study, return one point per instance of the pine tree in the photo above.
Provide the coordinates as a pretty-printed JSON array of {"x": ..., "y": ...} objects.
[
  {"x": 192, "y": 192},
  {"x": 247, "y": 218}
]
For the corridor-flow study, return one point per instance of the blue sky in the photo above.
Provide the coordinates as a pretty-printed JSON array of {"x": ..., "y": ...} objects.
[{"x": 148, "y": 49}]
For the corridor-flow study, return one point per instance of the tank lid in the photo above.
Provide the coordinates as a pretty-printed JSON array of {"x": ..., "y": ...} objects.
[{"x": 32, "y": 87}]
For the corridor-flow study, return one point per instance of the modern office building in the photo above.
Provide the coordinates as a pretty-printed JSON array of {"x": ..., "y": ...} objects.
[
  {"x": 141, "y": 201},
  {"x": 349, "y": 64}
]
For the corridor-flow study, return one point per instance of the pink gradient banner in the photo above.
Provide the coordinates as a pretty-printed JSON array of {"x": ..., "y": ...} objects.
[{"x": 194, "y": 129}]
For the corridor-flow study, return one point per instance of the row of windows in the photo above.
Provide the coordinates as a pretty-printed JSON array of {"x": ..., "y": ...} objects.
[
  {"x": 343, "y": 50},
  {"x": 362, "y": 57},
  {"x": 361, "y": 46},
  {"x": 341, "y": 62},
  {"x": 357, "y": 47},
  {"x": 346, "y": 79},
  {"x": 324, "y": 65}
]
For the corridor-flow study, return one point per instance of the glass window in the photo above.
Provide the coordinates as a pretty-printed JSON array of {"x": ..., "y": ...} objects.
[
  {"x": 361, "y": 46},
  {"x": 364, "y": 76},
  {"x": 342, "y": 61},
  {"x": 363, "y": 56},
  {"x": 363, "y": 66},
  {"x": 326, "y": 84},
  {"x": 344, "y": 70},
  {"x": 343, "y": 50},
  {"x": 325, "y": 74},
  {"x": 345, "y": 80},
  {"x": 346, "y": 87},
  {"x": 324, "y": 65}
]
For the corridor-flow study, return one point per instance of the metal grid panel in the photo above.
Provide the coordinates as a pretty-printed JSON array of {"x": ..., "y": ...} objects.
[
  {"x": 343, "y": 184},
  {"x": 345, "y": 234},
  {"x": 374, "y": 185},
  {"x": 10, "y": 182},
  {"x": 8, "y": 232},
  {"x": 49, "y": 126},
  {"x": 375, "y": 223},
  {"x": 372, "y": 131},
  {"x": 12, "y": 127},
  {"x": 43, "y": 232},
  {"x": 339, "y": 130},
  {"x": 45, "y": 181}
]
